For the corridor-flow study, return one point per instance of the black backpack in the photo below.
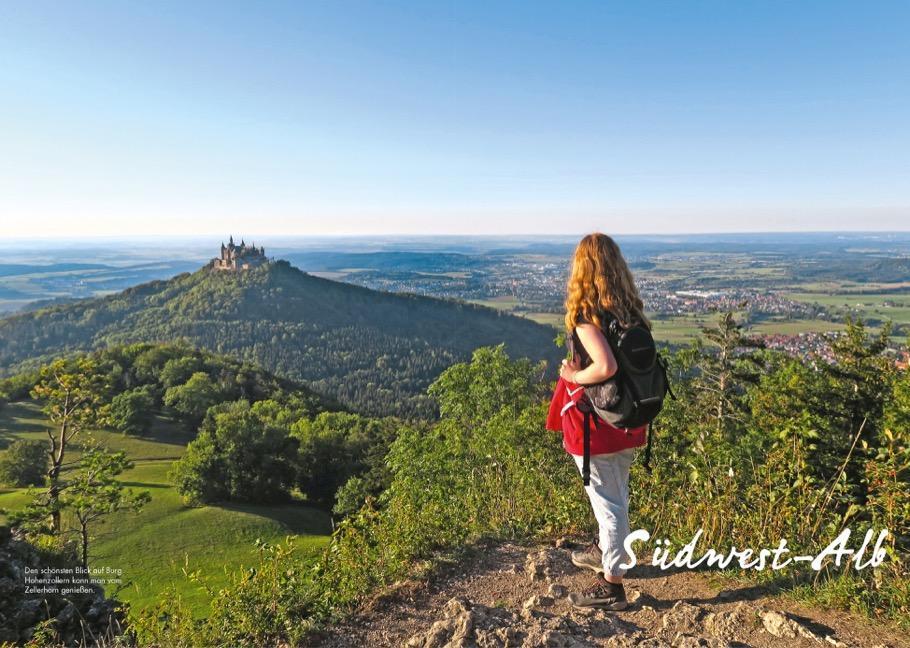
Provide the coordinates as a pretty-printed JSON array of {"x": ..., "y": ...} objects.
[{"x": 635, "y": 394}]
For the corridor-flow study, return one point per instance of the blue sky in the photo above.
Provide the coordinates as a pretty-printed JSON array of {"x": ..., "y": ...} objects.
[{"x": 330, "y": 117}]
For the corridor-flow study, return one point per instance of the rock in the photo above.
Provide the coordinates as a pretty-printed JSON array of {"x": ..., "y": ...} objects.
[
  {"x": 498, "y": 637},
  {"x": 688, "y": 641},
  {"x": 464, "y": 627},
  {"x": 726, "y": 624},
  {"x": 682, "y": 618},
  {"x": 29, "y": 612},
  {"x": 545, "y": 638},
  {"x": 624, "y": 641},
  {"x": 455, "y": 606},
  {"x": 777, "y": 624},
  {"x": 538, "y": 565},
  {"x": 23, "y": 614},
  {"x": 446, "y": 633},
  {"x": 558, "y": 591},
  {"x": 563, "y": 543},
  {"x": 536, "y": 601},
  {"x": 636, "y": 638},
  {"x": 539, "y": 601},
  {"x": 783, "y": 626},
  {"x": 586, "y": 614},
  {"x": 467, "y": 624},
  {"x": 65, "y": 615},
  {"x": 7, "y": 586}
]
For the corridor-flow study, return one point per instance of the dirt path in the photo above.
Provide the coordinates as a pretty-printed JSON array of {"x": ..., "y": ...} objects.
[{"x": 507, "y": 595}]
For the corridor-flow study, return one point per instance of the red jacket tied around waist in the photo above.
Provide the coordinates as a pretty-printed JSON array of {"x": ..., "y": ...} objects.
[{"x": 564, "y": 416}]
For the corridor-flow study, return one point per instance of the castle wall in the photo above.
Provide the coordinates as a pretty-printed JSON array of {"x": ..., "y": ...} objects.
[{"x": 239, "y": 257}]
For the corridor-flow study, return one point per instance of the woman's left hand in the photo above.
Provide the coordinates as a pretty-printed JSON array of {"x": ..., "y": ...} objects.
[{"x": 568, "y": 369}]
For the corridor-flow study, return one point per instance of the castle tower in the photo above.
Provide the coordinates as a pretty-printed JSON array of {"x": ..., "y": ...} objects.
[{"x": 238, "y": 257}]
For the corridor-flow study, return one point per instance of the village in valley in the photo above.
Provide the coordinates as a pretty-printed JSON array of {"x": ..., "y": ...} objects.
[{"x": 794, "y": 292}]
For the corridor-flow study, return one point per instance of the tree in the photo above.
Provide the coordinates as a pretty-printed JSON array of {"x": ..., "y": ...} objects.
[
  {"x": 24, "y": 464},
  {"x": 238, "y": 456},
  {"x": 897, "y": 410},
  {"x": 474, "y": 391},
  {"x": 861, "y": 375},
  {"x": 193, "y": 398},
  {"x": 73, "y": 393},
  {"x": 178, "y": 370},
  {"x": 148, "y": 364},
  {"x": 730, "y": 364},
  {"x": 841, "y": 401},
  {"x": 351, "y": 497},
  {"x": 131, "y": 411},
  {"x": 334, "y": 447},
  {"x": 324, "y": 461},
  {"x": 93, "y": 492}
]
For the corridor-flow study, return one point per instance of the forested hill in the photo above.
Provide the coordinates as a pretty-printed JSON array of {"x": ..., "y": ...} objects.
[{"x": 375, "y": 352}]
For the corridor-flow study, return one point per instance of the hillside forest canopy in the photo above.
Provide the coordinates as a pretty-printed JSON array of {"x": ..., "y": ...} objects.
[{"x": 372, "y": 351}]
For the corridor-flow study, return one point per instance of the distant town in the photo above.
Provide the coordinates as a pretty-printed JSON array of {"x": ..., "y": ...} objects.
[{"x": 792, "y": 291}]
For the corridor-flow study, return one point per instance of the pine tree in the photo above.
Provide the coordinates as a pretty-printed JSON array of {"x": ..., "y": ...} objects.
[
  {"x": 728, "y": 365},
  {"x": 73, "y": 394}
]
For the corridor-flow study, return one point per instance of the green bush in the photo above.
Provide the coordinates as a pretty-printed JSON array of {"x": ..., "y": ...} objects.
[
  {"x": 334, "y": 447},
  {"x": 131, "y": 411},
  {"x": 238, "y": 456},
  {"x": 24, "y": 464}
]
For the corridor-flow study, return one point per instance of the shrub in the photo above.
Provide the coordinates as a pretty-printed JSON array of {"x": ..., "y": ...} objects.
[
  {"x": 334, "y": 446},
  {"x": 237, "y": 456},
  {"x": 24, "y": 464},
  {"x": 131, "y": 411},
  {"x": 193, "y": 398}
]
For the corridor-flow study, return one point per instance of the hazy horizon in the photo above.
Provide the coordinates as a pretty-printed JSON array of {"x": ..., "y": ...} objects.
[{"x": 262, "y": 239}]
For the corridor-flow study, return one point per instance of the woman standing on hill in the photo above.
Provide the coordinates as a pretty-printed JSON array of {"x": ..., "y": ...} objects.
[{"x": 600, "y": 286}]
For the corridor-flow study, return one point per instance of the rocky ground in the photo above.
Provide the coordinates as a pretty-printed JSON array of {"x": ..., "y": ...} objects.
[
  {"x": 85, "y": 619},
  {"x": 507, "y": 595}
]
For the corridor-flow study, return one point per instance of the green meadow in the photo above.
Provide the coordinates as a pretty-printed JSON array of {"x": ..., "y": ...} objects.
[
  {"x": 682, "y": 329},
  {"x": 158, "y": 547},
  {"x": 893, "y": 306},
  {"x": 506, "y": 303}
]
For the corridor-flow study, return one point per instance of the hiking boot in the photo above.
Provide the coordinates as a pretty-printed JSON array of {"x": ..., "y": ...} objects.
[
  {"x": 589, "y": 558},
  {"x": 601, "y": 594}
]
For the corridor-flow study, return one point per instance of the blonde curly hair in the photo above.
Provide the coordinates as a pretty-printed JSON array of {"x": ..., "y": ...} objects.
[{"x": 601, "y": 281}]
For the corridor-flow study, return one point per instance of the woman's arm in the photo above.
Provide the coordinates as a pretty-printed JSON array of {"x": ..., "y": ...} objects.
[{"x": 603, "y": 363}]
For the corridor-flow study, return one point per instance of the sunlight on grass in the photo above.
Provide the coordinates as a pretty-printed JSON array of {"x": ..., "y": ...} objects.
[{"x": 154, "y": 546}]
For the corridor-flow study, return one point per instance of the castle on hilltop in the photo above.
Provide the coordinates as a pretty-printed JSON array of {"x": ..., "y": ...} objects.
[{"x": 239, "y": 257}]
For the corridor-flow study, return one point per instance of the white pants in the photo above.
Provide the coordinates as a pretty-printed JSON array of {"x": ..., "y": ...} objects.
[{"x": 609, "y": 495}]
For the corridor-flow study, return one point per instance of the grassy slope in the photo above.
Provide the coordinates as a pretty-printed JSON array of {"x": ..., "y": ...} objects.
[{"x": 153, "y": 547}]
